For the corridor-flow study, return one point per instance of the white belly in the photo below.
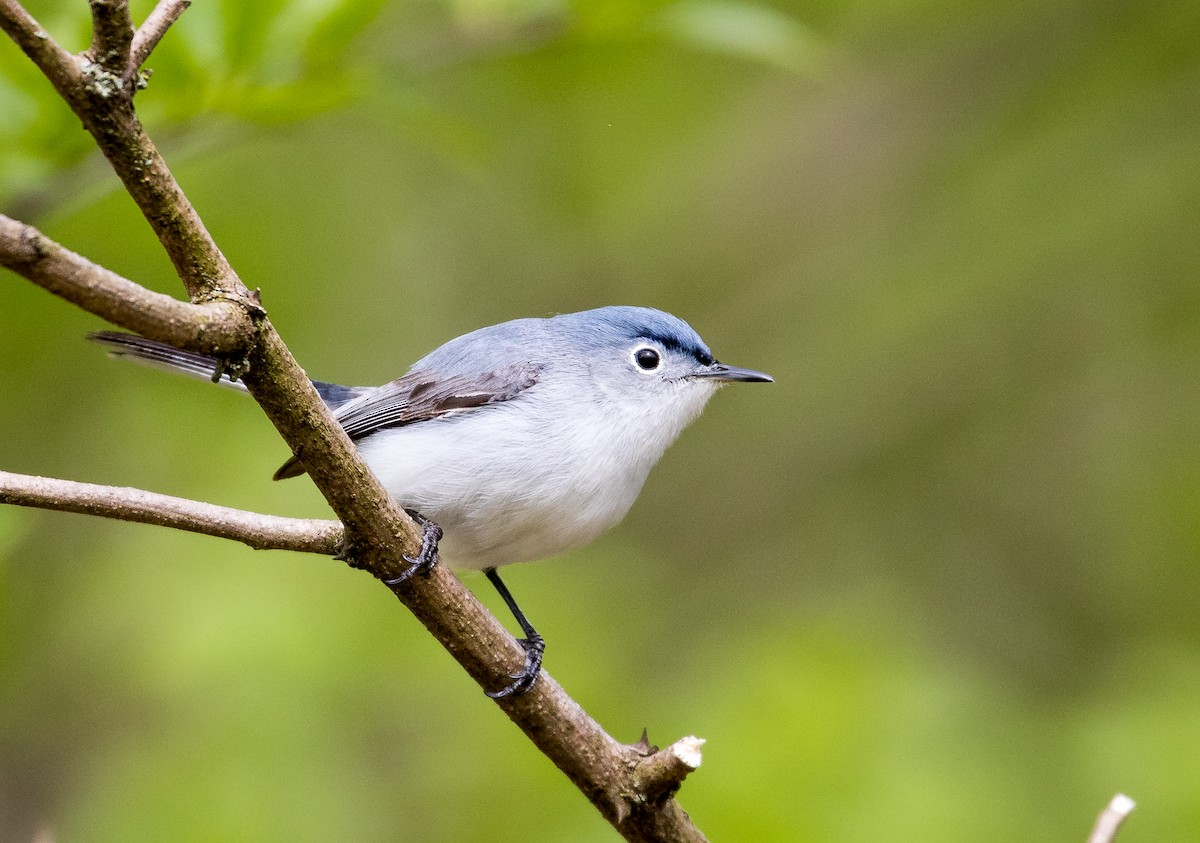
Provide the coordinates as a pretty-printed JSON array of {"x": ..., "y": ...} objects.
[{"x": 504, "y": 502}]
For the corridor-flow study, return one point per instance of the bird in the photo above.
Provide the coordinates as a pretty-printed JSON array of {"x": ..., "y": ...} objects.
[{"x": 517, "y": 441}]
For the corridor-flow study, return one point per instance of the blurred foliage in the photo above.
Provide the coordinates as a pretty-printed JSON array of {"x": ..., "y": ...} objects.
[
  {"x": 939, "y": 582},
  {"x": 279, "y": 62}
]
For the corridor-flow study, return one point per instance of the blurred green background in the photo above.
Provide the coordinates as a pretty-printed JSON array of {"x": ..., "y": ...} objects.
[{"x": 938, "y": 583}]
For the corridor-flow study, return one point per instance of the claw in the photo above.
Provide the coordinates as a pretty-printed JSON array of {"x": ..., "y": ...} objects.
[
  {"x": 533, "y": 644},
  {"x": 427, "y": 559},
  {"x": 535, "y": 647}
]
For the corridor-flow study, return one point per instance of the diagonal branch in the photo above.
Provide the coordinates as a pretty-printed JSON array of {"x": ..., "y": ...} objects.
[
  {"x": 377, "y": 530},
  {"x": 261, "y": 532},
  {"x": 152, "y": 31},
  {"x": 632, "y": 785},
  {"x": 103, "y": 100}
]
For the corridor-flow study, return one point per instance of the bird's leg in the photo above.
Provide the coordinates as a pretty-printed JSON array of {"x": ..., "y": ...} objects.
[
  {"x": 533, "y": 644},
  {"x": 424, "y": 562}
]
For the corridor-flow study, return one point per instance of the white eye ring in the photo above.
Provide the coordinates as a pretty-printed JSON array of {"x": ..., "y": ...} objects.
[{"x": 647, "y": 359}]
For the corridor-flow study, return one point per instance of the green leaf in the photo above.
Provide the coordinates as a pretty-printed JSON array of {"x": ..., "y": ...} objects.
[{"x": 747, "y": 30}]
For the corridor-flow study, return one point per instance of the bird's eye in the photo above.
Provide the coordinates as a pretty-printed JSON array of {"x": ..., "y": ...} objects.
[{"x": 647, "y": 359}]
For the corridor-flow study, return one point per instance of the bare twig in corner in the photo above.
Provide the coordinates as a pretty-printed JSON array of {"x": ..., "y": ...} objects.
[{"x": 1110, "y": 819}]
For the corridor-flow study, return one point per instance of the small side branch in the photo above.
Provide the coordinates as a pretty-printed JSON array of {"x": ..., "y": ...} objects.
[
  {"x": 660, "y": 775},
  {"x": 112, "y": 34},
  {"x": 261, "y": 532},
  {"x": 152, "y": 31},
  {"x": 1110, "y": 819},
  {"x": 213, "y": 328}
]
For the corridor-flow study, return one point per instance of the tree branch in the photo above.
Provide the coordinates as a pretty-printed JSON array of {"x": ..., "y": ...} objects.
[
  {"x": 599, "y": 765},
  {"x": 661, "y": 773},
  {"x": 261, "y": 532},
  {"x": 217, "y": 327},
  {"x": 103, "y": 100},
  {"x": 112, "y": 34},
  {"x": 378, "y": 533},
  {"x": 631, "y": 785},
  {"x": 152, "y": 31}
]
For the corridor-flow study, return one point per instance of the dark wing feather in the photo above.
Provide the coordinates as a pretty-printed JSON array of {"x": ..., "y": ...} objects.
[{"x": 419, "y": 396}]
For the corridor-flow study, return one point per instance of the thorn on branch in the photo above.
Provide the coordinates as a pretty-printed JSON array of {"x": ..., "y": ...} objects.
[{"x": 643, "y": 746}]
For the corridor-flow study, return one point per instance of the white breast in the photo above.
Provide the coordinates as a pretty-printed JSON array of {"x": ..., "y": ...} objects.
[{"x": 530, "y": 478}]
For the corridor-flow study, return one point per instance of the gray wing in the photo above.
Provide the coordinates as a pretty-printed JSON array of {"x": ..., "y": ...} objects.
[{"x": 419, "y": 396}]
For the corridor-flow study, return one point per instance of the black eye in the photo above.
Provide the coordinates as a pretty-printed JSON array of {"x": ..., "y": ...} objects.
[{"x": 647, "y": 359}]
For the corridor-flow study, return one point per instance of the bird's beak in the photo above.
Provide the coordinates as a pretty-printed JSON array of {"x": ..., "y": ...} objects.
[{"x": 721, "y": 372}]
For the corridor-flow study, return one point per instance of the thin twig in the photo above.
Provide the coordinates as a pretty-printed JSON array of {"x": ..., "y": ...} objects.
[
  {"x": 218, "y": 327},
  {"x": 112, "y": 33},
  {"x": 152, "y": 31},
  {"x": 662, "y": 773},
  {"x": 261, "y": 532},
  {"x": 1110, "y": 819}
]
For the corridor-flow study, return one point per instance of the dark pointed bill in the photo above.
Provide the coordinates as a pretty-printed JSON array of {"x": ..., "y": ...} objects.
[{"x": 721, "y": 372}]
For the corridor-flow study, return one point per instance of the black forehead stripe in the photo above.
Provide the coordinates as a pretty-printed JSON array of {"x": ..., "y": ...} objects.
[{"x": 673, "y": 343}]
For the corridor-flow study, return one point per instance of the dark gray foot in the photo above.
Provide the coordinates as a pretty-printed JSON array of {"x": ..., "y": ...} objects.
[
  {"x": 533, "y": 643},
  {"x": 425, "y": 561},
  {"x": 534, "y": 646}
]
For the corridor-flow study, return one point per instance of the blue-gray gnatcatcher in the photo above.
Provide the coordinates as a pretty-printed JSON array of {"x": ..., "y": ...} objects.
[{"x": 520, "y": 440}]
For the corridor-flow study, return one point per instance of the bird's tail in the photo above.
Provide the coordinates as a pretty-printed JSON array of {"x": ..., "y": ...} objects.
[{"x": 159, "y": 355}]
